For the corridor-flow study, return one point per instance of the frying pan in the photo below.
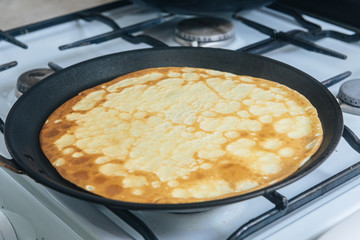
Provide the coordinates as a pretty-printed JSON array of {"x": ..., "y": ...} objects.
[
  {"x": 201, "y": 7},
  {"x": 28, "y": 114}
]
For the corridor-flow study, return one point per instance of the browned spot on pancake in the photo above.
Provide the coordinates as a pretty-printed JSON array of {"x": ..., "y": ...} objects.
[
  {"x": 81, "y": 175},
  {"x": 79, "y": 161},
  {"x": 99, "y": 179},
  {"x": 53, "y": 132},
  {"x": 113, "y": 190}
]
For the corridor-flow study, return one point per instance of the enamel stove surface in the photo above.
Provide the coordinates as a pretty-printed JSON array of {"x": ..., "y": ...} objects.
[{"x": 42, "y": 213}]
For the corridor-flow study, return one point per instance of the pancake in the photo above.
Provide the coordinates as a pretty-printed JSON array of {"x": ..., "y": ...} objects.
[{"x": 181, "y": 135}]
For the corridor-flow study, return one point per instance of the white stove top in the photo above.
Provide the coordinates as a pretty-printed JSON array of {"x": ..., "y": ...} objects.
[{"x": 41, "y": 213}]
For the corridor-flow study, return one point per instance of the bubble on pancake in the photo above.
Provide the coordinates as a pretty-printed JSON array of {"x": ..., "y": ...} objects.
[
  {"x": 267, "y": 163},
  {"x": 138, "y": 192},
  {"x": 248, "y": 102},
  {"x": 243, "y": 114},
  {"x": 133, "y": 81},
  {"x": 113, "y": 169},
  {"x": 301, "y": 127},
  {"x": 276, "y": 108},
  {"x": 131, "y": 181},
  {"x": 173, "y": 74},
  {"x": 229, "y": 123},
  {"x": 68, "y": 150},
  {"x": 77, "y": 154},
  {"x": 241, "y": 147},
  {"x": 206, "y": 166},
  {"x": 311, "y": 145},
  {"x": 102, "y": 160},
  {"x": 125, "y": 116},
  {"x": 245, "y": 185},
  {"x": 209, "y": 114},
  {"x": 258, "y": 110},
  {"x": 59, "y": 162},
  {"x": 214, "y": 72},
  {"x": 173, "y": 183},
  {"x": 155, "y": 184},
  {"x": 279, "y": 97},
  {"x": 90, "y": 188},
  {"x": 272, "y": 143},
  {"x": 286, "y": 152},
  {"x": 261, "y": 94},
  {"x": 203, "y": 190},
  {"x": 232, "y": 134},
  {"x": 226, "y": 107},
  {"x": 89, "y": 101},
  {"x": 304, "y": 161},
  {"x": 266, "y": 118},
  {"x": 184, "y": 129},
  {"x": 190, "y": 76},
  {"x": 64, "y": 141},
  {"x": 246, "y": 79},
  {"x": 294, "y": 109},
  {"x": 284, "y": 125}
]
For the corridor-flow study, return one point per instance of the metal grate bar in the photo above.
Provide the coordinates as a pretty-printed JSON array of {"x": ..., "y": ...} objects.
[
  {"x": 314, "y": 28},
  {"x": 290, "y": 38},
  {"x": 91, "y": 16},
  {"x": 125, "y": 33},
  {"x": 280, "y": 201},
  {"x": 271, "y": 44},
  {"x": 9, "y": 35},
  {"x": 54, "y": 66},
  {"x": 66, "y": 18},
  {"x": 6, "y": 66},
  {"x": 142, "y": 38},
  {"x": 11, "y": 39},
  {"x": 336, "y": 79},
  {"x": 135, "y": 222},
  {"x": 305, "y": 197}
]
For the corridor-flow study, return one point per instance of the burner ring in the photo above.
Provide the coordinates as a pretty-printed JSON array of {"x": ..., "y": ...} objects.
[
  {"x": 349, "y": 92},
  {"x": 30, "y": 78},
  {"x": 204, "y": 31}
]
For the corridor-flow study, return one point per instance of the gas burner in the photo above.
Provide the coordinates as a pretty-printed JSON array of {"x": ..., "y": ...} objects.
[
  {"x": 204, "y": 32},
  {"x": 349, "y": 96},
  {"x": 30, "y": 78}
]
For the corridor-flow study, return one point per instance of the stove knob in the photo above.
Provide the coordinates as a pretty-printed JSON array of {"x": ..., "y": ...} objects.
[{"x": 350, "y": 92}]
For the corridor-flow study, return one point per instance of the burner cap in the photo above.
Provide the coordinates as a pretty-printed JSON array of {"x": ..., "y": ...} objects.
[
  {"x": 30, "y": 78},
  {"x": 350, "y": 92},
  {"x": 204, "y": 32}
]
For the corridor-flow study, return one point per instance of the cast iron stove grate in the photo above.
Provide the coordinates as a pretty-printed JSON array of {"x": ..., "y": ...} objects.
[
  {"x": 300, "y": 38},
  {"x": 6, "y": 66},
  {"x": 87, "y": 15}
]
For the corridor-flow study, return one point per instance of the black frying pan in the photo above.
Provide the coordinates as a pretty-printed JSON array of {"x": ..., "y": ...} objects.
[
  {"x": 28, "y": 114},
  {"x": 203, "y": 7}
]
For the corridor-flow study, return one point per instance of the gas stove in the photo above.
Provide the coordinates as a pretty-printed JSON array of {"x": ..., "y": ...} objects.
[{"x": 304, "y": 209}]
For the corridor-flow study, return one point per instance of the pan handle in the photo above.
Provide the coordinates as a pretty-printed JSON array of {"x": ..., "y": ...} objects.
[{"x": 8, "y": 163}]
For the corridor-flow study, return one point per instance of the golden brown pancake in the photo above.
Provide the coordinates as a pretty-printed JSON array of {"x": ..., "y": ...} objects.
[{"x": 179, "y": 135}]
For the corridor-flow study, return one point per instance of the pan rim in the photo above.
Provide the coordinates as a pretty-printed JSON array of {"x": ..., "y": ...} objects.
[{"x": 175, "y": 206}]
